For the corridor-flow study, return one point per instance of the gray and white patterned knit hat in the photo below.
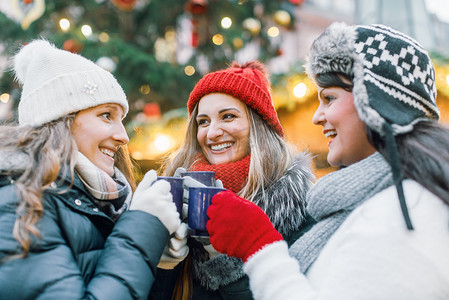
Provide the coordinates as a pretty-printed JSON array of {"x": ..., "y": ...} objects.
[
  {"x": 393, "y": 76},
  {"x": 393, "y": 82},
  {"x": 56, "y": 82}
]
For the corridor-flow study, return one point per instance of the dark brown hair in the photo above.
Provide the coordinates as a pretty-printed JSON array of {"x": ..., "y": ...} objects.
[{"x": 423, "y": 152}]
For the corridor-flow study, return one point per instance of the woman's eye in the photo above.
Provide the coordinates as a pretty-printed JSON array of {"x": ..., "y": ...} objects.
[
  {"x": 106, "y": 115},
  {"x": 228, "y": 116},
  {"x": 202, "y": 122},
  {"x": 329, "y": 98}
]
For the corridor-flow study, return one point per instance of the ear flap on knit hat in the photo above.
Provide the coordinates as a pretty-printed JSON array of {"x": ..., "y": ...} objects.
[{"x": 56, "y": 82}]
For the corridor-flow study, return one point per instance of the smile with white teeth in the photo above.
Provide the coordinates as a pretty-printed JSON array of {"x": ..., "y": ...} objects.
[
  {"x": 107, "y": 152},
  {"x": 330, "y": 134},
  {"x": 220, "y": 146}
]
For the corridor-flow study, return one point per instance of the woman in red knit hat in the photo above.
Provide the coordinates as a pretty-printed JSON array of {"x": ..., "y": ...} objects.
[{"x": 233, "y": 130}]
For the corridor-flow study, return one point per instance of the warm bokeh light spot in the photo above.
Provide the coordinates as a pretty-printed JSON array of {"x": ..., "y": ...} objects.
[
  {"x": 64, "y": 24},
  {"x": 273, "y": 31},
  {"x": 218, "y": 39},
  {"x": 86, "y": 30},
  {"x": 103, "y": 37},
  {"x": 4, "y": 98},
  {"x": 145, "y": 89},
  {"x": 226, "y": 22},
  {"x": 300, "y": 90},
  {"x": 189, "y": 70},
  {"x": 162, "y": 143}
]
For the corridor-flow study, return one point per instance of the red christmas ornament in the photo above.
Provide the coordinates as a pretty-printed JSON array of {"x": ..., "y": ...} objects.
[
  {"x": 125, "y": 5},
  {"x": 152, "y": 110},
  {"x": 27, "y": 1},
  {"x": 196, "y": 7},
  {"x": 73, "y": 46},
  {"x": 194, "y": 39},
  {"x": 296, "y": 2}
]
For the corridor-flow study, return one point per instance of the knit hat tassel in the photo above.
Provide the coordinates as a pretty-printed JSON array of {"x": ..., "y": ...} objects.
[{"x": 395, "y": 163}]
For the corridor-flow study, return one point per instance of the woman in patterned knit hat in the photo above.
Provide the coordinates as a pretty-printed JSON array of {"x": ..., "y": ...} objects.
[
  {"x": 234, "y": 130},
  {"x": 382, "y": 221},
  {"x": 70, "y": 226}
]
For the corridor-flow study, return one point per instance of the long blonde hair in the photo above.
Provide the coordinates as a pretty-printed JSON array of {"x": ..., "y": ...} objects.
[
  {"x": 51, "y": 150},
  {"x": 266, "y": 146}
]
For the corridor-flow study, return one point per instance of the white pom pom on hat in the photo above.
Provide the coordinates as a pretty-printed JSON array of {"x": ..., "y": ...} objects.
[
  {"x": 23, "y": 58},
  {"x": 56, "y": 82}
]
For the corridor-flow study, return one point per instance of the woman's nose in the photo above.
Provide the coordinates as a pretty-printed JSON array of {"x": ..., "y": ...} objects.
[
  {"x": 318, "y": 117},
  {"x": 120, "y": 134},
  {"x": 214, "y": 131}
]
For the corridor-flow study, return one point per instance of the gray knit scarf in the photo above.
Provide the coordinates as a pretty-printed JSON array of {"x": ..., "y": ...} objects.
[{"x": 333, "y": 198}]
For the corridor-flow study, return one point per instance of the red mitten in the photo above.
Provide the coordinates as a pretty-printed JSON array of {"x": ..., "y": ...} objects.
[{"x": 238, "y": 227}]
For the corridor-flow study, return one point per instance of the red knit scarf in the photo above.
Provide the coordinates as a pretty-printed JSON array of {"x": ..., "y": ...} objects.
[{"x": 233, "y": 175}]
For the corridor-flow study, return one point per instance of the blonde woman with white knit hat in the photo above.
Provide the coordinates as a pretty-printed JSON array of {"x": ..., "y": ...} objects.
[{"x": 70, "y": 226}]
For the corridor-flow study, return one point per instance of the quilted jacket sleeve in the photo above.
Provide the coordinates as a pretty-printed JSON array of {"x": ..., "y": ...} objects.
[
  {"x": 125, "y": 262},
  {"x": 127, "y": 266}
]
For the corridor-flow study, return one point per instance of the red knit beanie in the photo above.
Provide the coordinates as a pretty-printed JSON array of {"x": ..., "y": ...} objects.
[{"x": 245, "y": 82}]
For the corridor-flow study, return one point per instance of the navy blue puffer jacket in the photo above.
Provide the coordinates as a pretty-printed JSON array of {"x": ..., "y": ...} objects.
[{"x": 82, "y": 253}]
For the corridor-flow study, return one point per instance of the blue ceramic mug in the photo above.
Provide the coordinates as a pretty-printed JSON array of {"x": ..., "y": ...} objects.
[
  {"x": 176, "y": 189},
  {"x": 205, "y": 177},
  {"x": 199, "y": 200}
]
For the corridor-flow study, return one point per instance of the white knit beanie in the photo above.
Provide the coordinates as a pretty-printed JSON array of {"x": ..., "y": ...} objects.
[{"x": 57, "y": 82}]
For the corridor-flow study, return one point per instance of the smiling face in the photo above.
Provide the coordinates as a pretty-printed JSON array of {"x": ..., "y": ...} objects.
[
  {"x": 341, "y": 123},
  {"x": 98, "y": 132},
  {"x": 223, "y": 128}
]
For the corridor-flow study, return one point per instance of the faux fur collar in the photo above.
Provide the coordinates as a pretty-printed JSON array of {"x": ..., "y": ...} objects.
[
  {"x": 285, "y": 200},
  {"x": 220, "y": 271},
  {"x": 13, "y": 162}
]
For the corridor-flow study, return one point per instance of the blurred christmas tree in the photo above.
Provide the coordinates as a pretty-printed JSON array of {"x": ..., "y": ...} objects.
[{"x": 157, "y": 49}]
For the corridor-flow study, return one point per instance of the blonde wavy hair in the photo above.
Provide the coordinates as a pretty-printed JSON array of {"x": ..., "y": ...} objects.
[
  {"x": 51, "y": 150},
  {"x": 266, "y": 146}
]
